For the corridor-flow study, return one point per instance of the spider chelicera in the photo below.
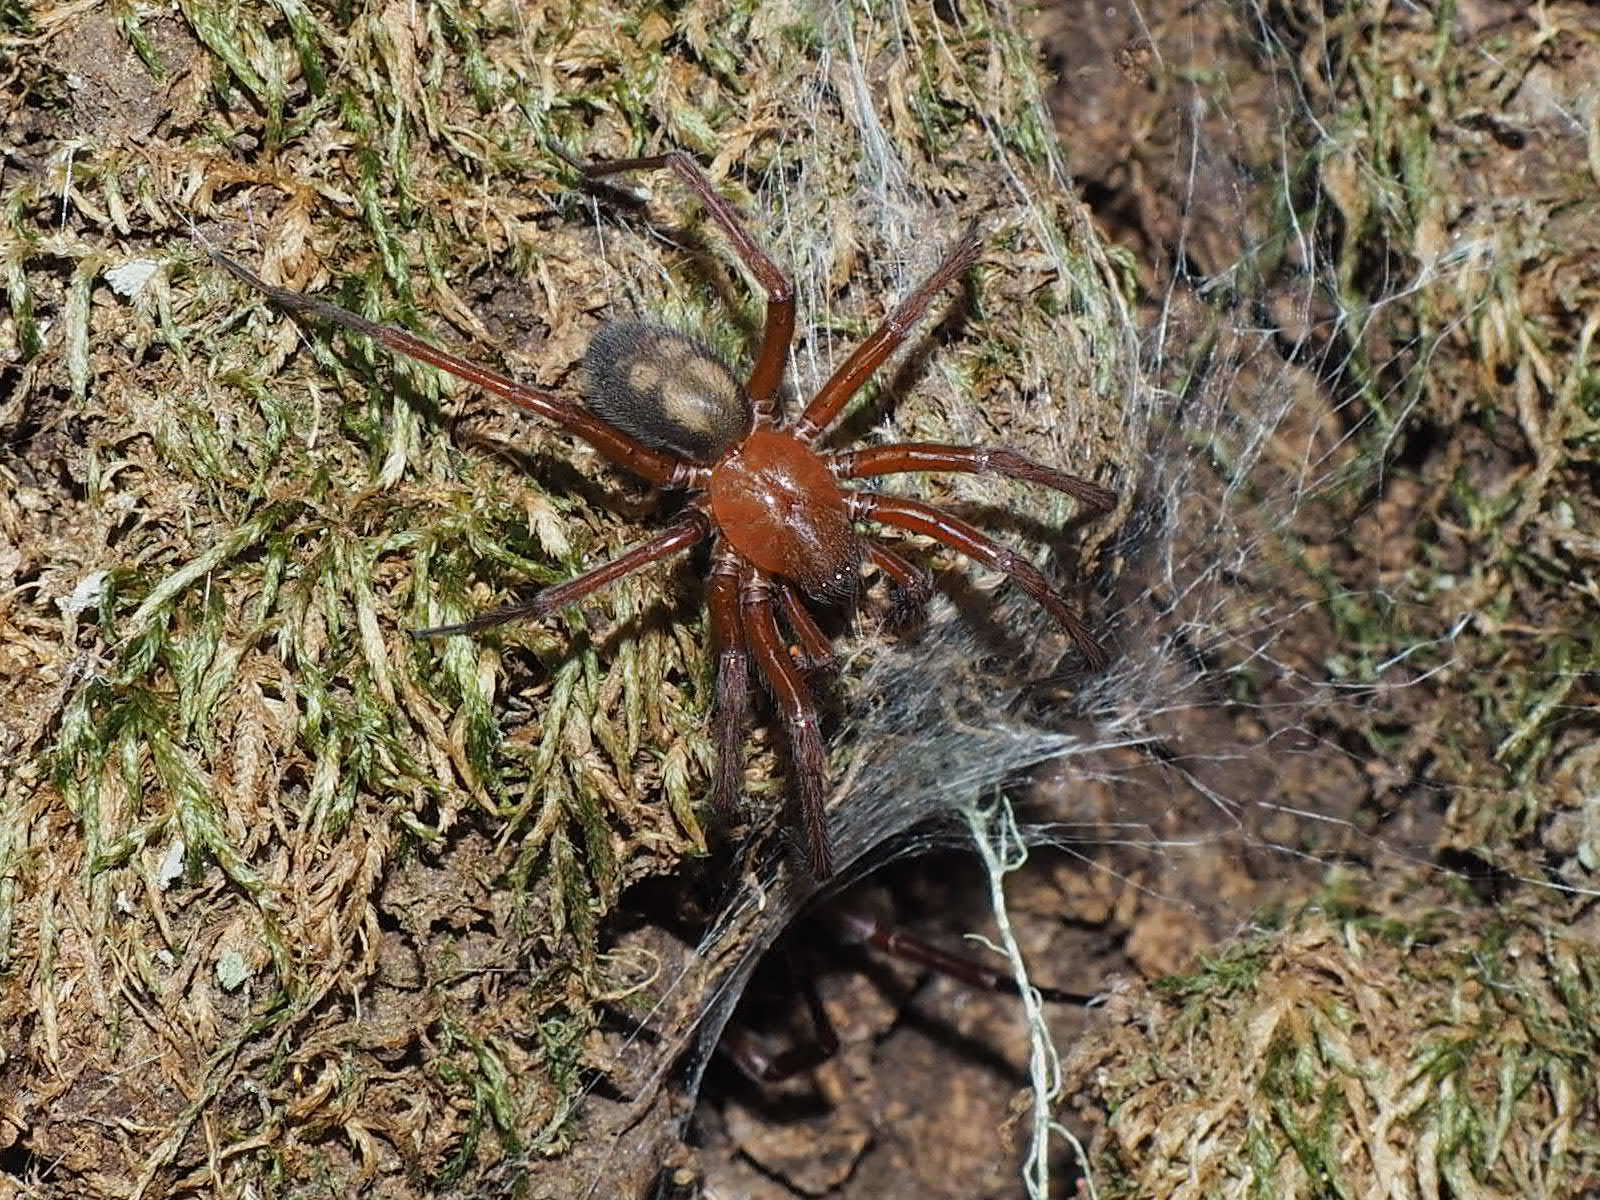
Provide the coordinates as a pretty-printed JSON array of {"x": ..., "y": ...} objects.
[{"x": 782, "y": 529}]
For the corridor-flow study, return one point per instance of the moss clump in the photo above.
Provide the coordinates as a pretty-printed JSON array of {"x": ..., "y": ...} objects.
[{"x": 1349, "y": 1056}]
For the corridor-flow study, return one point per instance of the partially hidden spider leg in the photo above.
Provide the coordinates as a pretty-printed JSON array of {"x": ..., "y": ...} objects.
[
  {"x": 679, "y": 536},
  {"x": 857, "y": 926},
  {"x": 731, "y": 705},
  {"x": 912, "y": 586},
  {"x": 815, "y": 651},
  {"x": 656, "y": 466},
  {"x": 764, "y": 1066},
  {"x": 778, "y": 330},
  {"x": 870, "y": 354},
  {"x": 924, "y": 519},
  {"x": 789, "y": 692},
  {"x": 896, "y": 457}
]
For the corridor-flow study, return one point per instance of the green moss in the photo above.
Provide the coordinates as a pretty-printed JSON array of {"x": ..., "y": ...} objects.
[{"x": 1449, "y": 1040}]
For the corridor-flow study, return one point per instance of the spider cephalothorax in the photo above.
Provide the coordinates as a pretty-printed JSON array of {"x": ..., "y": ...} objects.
[{"x": 782, "y": 528}]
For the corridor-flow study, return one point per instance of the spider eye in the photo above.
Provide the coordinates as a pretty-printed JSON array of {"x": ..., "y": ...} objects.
[{"x": 666, "y": 389}]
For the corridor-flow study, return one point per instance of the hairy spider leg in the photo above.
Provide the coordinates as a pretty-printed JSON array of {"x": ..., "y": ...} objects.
[
  {"x": 655, "y": 466},
  {"x": 924, "y": 519},
  {"x": 793, "y": 699},
  {"x": 912, "y": 586},
  {"x": 897, "y": 457},
  {"x": 731, "y": 706},
  {"x": 778, "y": 330},
  {"x": 690, "y": 529},
  {"x": 870, "y": 354}
]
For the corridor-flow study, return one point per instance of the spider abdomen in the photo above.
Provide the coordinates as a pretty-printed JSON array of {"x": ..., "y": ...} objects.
[
  {"x": 666, "y": 389},
  {"x": 779, "y": 506}
]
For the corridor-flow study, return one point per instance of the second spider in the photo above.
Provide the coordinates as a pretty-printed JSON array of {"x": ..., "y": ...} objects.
[{"x": 783, "y": 529}]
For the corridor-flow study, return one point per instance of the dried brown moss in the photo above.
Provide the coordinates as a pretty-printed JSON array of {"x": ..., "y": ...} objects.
[{"x": 1346, "y": 1055}]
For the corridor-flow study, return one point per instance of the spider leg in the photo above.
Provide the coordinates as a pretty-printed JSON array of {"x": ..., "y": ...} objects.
[
  {"x": 896, "y": 457},
  {"x": 679, "y": 536},
  {"x": 799, "y": 713},
  {"x": 665, "y": 470},
  {"x": 763, "y": 1065},
  {"x": 912, "y": 586},
  {"x": 858, "y": 927},
  {"x": 869, "y": 355},
  {"x": 778, "y": 330},
  {"x": 731, "y": 712},
  {"x": 922, "y": 518},
  {"x": 815, "y": 650}
]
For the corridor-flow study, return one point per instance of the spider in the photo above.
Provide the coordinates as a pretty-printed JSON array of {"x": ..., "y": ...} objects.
[{"x": 782, "y": 529}]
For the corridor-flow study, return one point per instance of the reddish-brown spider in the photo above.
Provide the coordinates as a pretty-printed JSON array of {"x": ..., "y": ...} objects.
[{"x": 782, "y": 529}]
